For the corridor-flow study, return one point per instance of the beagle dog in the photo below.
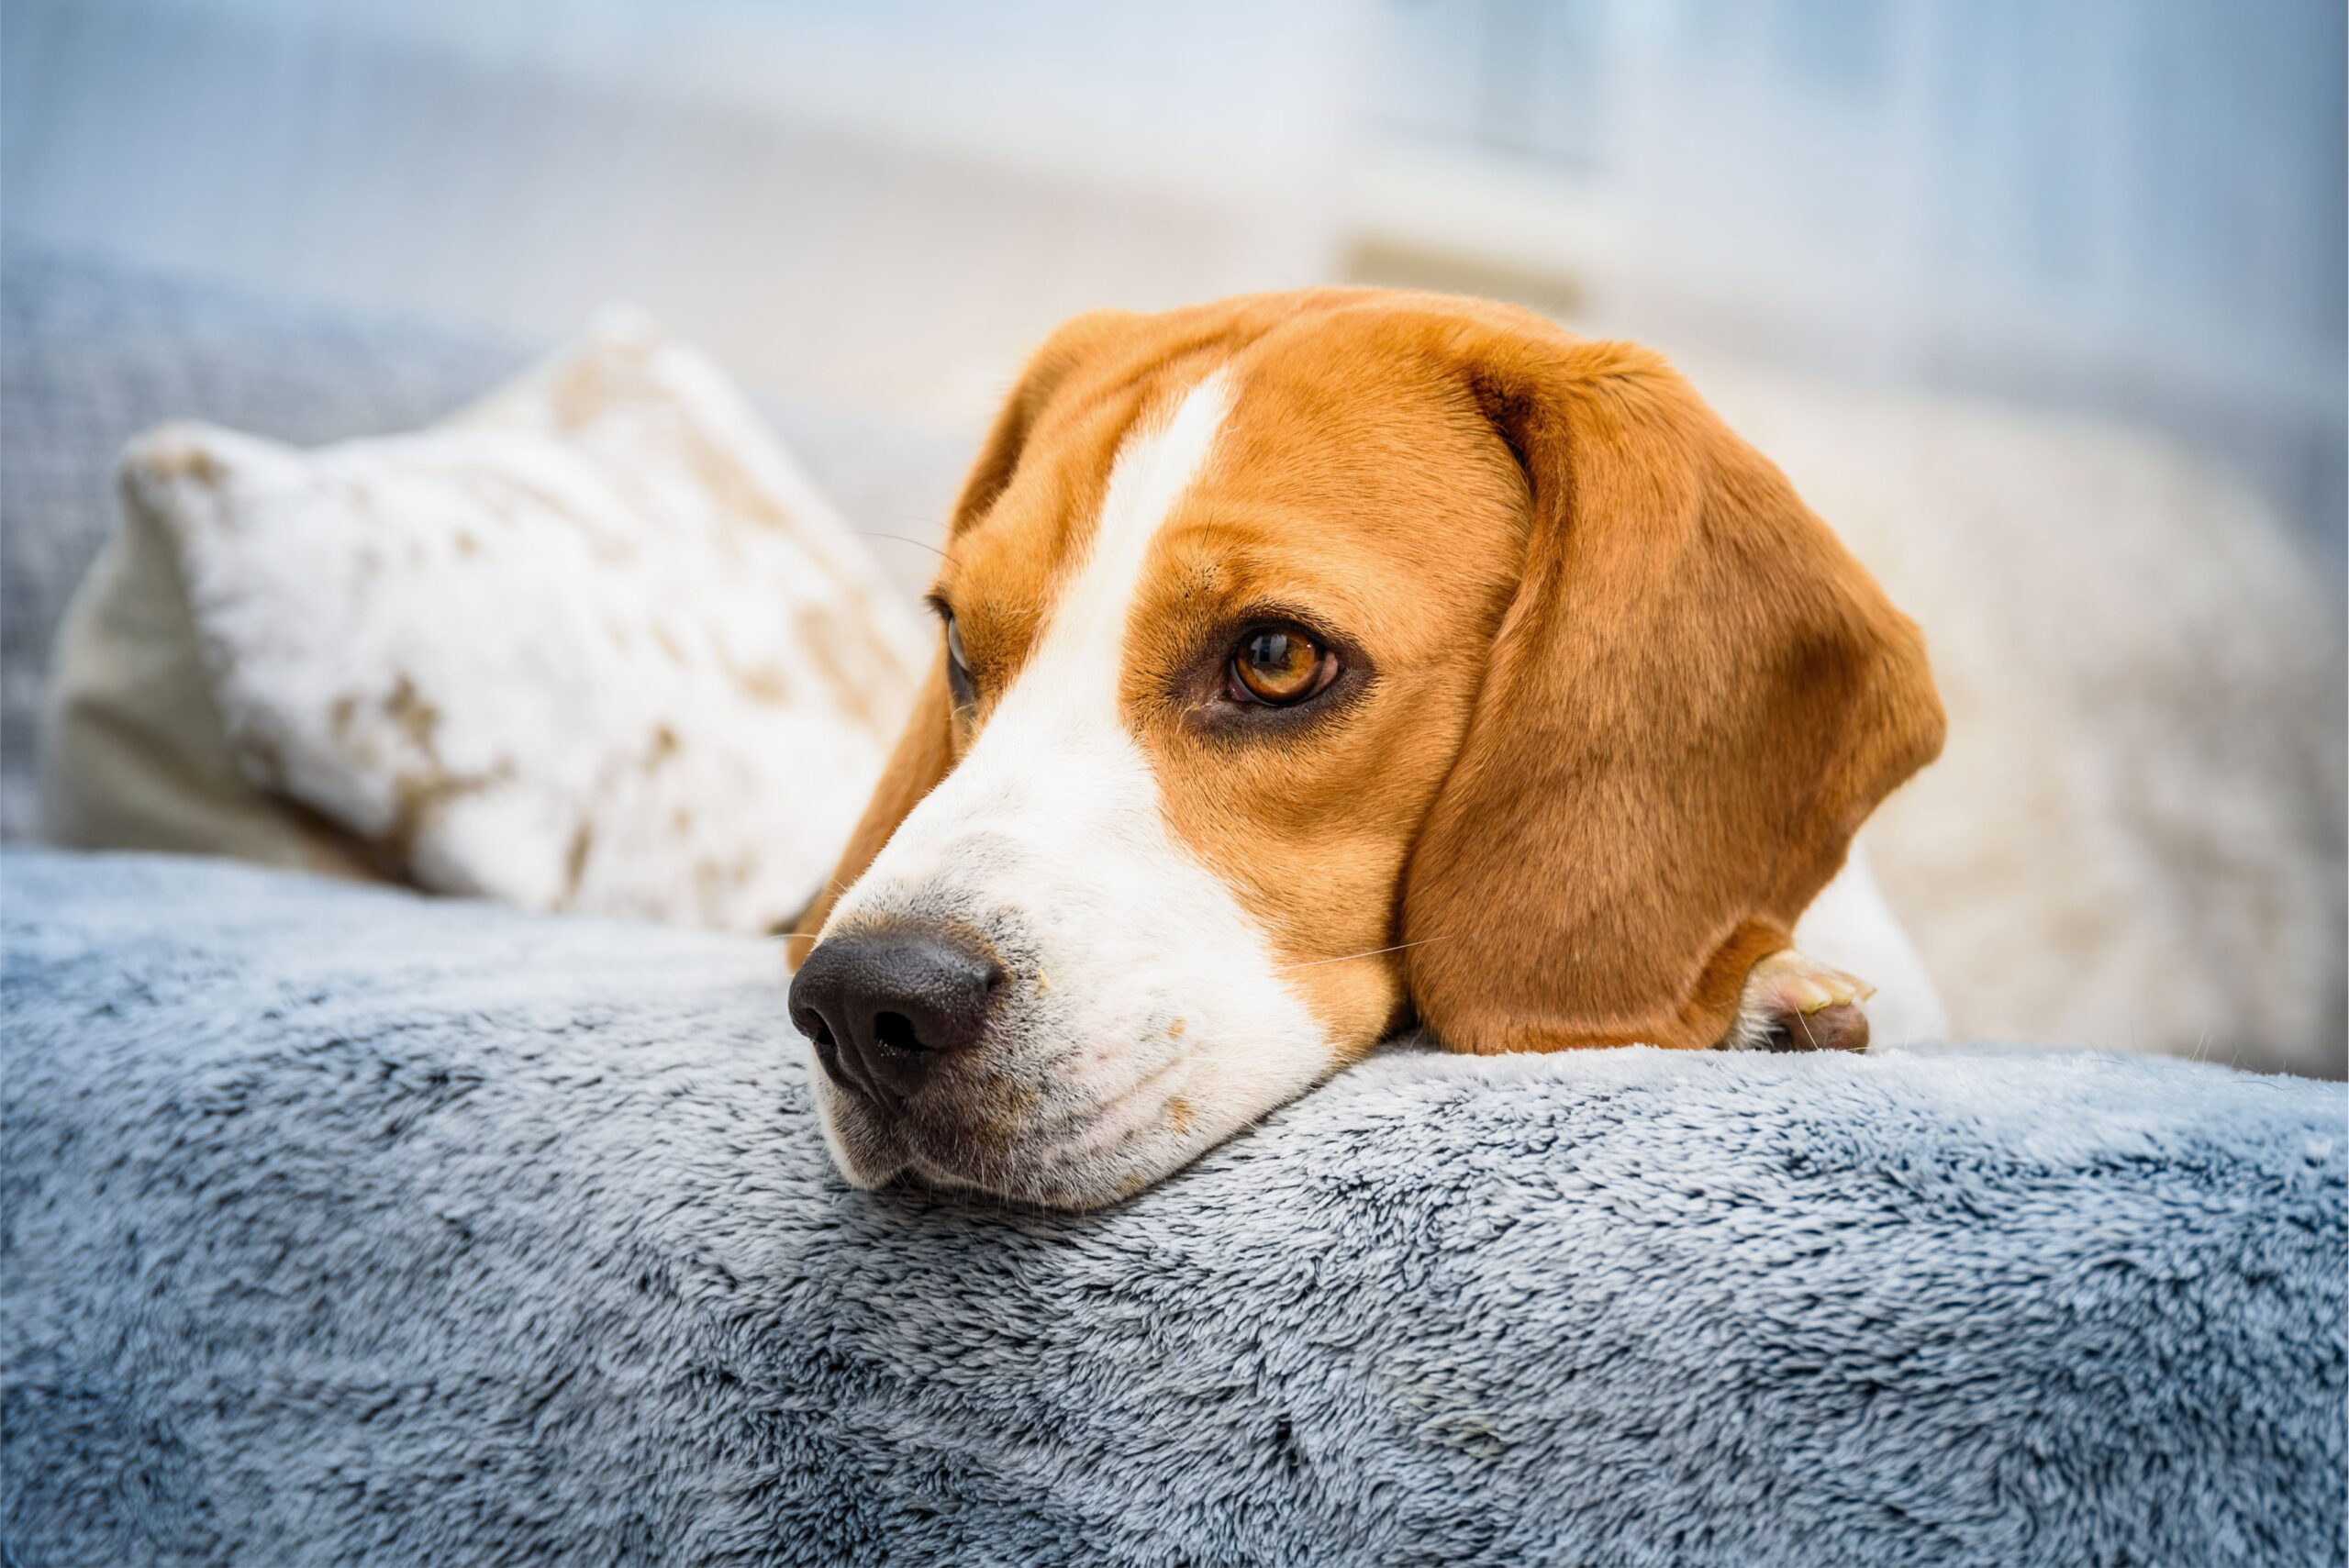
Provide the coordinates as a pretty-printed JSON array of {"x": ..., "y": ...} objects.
[{"x": 1311, "y": 664}]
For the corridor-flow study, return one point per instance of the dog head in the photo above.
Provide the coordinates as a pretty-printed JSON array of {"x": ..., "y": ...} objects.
[{"x": 1311, "y": 662}]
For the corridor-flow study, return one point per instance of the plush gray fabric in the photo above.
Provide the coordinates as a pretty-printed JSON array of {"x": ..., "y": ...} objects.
[
  {"x": 343, "y": 1225},
  {"x": 92, "y": 353}
]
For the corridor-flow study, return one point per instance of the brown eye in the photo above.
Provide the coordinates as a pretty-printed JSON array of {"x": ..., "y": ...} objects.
[{"x": 1279, "y": 665}]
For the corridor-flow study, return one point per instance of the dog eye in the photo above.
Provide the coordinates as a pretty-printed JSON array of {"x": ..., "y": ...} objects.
[
  {"x": 1279, "y": 665},
  {"x": 958, "y": 668}
]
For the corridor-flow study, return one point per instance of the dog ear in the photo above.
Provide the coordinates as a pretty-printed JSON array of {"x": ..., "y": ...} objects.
[{"x": 1693, "y": 701}]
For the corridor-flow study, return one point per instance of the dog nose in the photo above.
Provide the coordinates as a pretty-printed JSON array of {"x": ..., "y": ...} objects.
[{"x": 884, "y": 1008}]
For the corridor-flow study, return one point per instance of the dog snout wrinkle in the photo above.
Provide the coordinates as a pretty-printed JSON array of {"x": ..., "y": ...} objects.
[{"x": 884, "y": 1008}]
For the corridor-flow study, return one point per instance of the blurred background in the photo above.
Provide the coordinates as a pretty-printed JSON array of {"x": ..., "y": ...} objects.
[
  {"x": 2039, "y": 302},
  {"x": 2132, "y": 206}
]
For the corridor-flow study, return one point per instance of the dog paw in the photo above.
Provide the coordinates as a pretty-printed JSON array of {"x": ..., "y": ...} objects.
[{"x": 1794, "y": 1003}]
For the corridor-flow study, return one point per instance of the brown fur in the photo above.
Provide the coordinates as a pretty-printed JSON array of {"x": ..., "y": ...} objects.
[{"x": 1627, "y": 698}]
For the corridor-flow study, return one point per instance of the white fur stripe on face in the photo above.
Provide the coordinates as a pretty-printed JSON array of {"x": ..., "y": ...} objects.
[
  {"x": 1152, "y": 472},
  {"x": 1060, "y": 716},
  {"x": 1163, "y": 1010}
]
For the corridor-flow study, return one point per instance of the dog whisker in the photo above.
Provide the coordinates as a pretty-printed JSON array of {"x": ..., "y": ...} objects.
[
  {"x": 1349, "y": 957},
  {"x": 918, "y": 544}
]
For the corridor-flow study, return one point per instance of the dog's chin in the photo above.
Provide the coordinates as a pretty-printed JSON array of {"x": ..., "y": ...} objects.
[{"x": 1095, "y": 1164}]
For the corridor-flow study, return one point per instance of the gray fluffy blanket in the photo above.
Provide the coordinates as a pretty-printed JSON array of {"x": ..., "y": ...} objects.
[{"x": 343, "y": 1225}]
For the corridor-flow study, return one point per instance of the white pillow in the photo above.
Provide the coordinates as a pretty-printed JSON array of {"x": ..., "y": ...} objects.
[{"x": 595, "y": 644}]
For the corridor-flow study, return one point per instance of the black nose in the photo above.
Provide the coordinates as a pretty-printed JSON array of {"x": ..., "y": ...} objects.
[{"x": 885, "y": 1007}]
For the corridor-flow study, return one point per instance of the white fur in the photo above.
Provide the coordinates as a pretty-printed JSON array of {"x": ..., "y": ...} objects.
[{"x": 1150, "y": 1019}]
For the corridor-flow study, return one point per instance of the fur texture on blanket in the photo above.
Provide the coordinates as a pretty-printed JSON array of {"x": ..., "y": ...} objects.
[{"x": 344, "y": 1226}]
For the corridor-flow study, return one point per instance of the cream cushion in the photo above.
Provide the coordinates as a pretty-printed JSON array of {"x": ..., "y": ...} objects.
[
  {"x": 134, "y": 756},
  {"x": 595, "y": 644}
]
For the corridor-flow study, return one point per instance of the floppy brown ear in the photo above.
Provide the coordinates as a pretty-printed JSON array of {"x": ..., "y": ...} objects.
[{"x": 1693, "y": 702}]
